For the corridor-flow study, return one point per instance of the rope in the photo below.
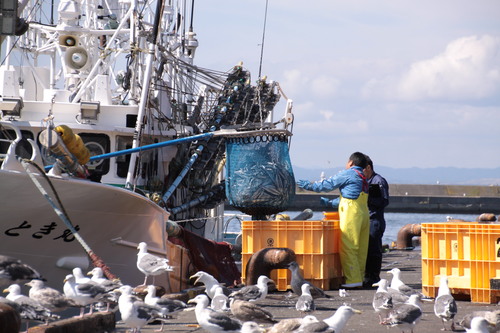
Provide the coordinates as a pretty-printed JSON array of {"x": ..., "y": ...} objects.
[{"x": 63, "y": 215}]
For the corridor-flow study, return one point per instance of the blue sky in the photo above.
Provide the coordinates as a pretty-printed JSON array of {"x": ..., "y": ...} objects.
[{"x": 410, "y": 83}]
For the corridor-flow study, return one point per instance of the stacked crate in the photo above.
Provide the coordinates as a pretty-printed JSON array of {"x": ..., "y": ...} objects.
[
  {"x": 315, "y": 243},
  {"x": 468, "y": 253}
]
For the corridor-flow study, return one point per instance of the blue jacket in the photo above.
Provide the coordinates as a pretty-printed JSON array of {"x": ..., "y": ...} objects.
[
  {"x": 348, "y": 181},
  {"x": 378, "y": 197}
]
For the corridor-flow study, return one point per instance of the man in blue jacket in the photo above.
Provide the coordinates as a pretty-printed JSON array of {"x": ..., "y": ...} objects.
[{"x": 378, "y": 199}]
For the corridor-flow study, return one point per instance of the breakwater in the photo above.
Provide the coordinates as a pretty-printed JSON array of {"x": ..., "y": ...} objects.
[{"x": 408, "y": 198}]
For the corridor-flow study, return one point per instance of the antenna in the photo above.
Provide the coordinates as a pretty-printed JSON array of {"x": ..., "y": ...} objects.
[{"x": 263, "y": 37}]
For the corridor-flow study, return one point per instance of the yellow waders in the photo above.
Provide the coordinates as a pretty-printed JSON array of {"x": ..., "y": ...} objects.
[{"x": 355, "y": 232}]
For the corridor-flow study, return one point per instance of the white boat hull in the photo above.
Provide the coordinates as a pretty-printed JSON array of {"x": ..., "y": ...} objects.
[{"x": 111, "y": 220}]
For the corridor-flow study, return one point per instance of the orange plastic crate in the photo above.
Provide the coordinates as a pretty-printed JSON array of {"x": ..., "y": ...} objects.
[
  {"x": 468, "y": 253},
  {"x": 315, "y": 243}
]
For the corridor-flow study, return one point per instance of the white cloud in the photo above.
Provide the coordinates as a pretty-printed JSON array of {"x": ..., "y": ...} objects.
[
  {"x": 469, "y": 68},
  {"x": 324, "y": 86}
]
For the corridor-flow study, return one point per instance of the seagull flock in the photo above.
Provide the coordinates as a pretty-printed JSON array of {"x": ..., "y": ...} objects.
[{"x": 223, "y": 309}]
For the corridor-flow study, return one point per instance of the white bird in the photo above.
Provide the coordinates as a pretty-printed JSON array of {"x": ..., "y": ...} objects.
[
  {"x": 479, "y": 325},
  {"x": 209, "y": 282},
  {"x": 382, "y": 300},
  {"x": 166, "y": 305},
  {"x": 50, "y": 298},
  {"x": 251, "y": 327},
  {"x": 71, "y": 291},
  {"x": 305, "y": 302},
  {"x": 250, "y": 311},
  {"x": 336, "y": 322},
  {"x": 289, "y": 325},
  {"x": 79, "y": 276},
  {"x": 213, "y": 321},
  {"x": 135, "y": 313},
  {"x": 405, "y": 316},
  {"x": 29, "y": 309},
  {"x": 445, "y": 306},
  {"x": 150, "y": 264},
  {"x": 254, "y": 292},
  {"x": 110, "y": 297},
  {"x": 399, "y": 285},
  {"x": 14, "y": 271},
  {"x": 492, "y": 317},
  {"x": 97, "y": 275},
  {"x": 220, "y": 301}
]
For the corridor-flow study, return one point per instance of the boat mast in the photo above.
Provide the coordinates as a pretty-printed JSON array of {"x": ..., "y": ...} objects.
[{"x": 144, "y": 95}]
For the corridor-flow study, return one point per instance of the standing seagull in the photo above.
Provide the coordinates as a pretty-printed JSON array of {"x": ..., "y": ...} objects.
[
  {"x": 150, "y": 264},
  {"x": 166, "y": 305},
  {"x": 50, "y": 298},
  {"x": 211, "y": 320},
  {"x": 135, "y": 313},
  {"x": 254, "y": 292},
  {"x": 297, "y": 282},
  {"x": 382, "y": 300},
  {"x": 28, "y": 308},
  {"x": 445, "y": 306},
  {"x": 14, "y": 271},
  {"x": 405, "y": 316},
  {"x": 399, "y": 285},
  {"x": 209, "y": 282},
  {"x": 220, "y": 301},
  {"x": 305, "y": 303},
  {"x": 336, "y": 322}
]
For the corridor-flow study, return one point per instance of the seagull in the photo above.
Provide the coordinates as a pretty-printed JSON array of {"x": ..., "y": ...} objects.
[
  {"x": 445, "y": 306},
  {"x": 399, "y": 285},
  {"x": 220, "y": 301},
  {"x": 48, "y": 297},
  {"x": 493, "y": 318},
  {"x": 382, "y": 300},
  {"x": 405, "y": 316},
  {"x": 135, "y": 313},
  {"x": 336, "y": 322},
  {"x": 479, "y": 325},
  {"x": 305, "y": 303},
  {"x": 150, "y": 264},
  {"x": 97, "y": 275},
  {"x": 251, "y": 327},
  {"x": 209, "y": 282},
  {"x": 166, "y": 305},
  {"x": 109, "y": 285},
  {"x": 254, "y": 292},
  {"x": 211, "y": 320},
  {"x": 71, "y": 291},
  {"x": 289, "y": 325},
  {"x": 13, "y": 271},
  {"x": 28, "y": 308},
  {"x": 79, "y": 276},
  {"x": 297, "y": 281},
  {"x": 249, "y": 311}
]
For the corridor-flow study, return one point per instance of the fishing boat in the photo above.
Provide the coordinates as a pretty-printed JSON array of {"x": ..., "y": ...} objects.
[{"x": 111, "y": 136}]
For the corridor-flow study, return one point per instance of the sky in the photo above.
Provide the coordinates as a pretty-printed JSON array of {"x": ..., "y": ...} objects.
[{"x": 410, "y": 83}]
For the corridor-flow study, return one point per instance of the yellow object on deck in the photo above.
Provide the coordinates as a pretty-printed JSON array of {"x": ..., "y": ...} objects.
[
  {"x": 74, "y": 143},
  {"x": 316, "y": 245},
  {"x": 468, "y": 253}
]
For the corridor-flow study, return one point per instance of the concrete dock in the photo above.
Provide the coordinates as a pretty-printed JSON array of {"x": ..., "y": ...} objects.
[{"x": 282, "y": 304}]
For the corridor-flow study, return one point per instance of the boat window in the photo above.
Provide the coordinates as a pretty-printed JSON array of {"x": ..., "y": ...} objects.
[
  {"x": 23, "y": 148},
  {"x": 122, "y": 162},
  {"x": 97, "y": 144}
]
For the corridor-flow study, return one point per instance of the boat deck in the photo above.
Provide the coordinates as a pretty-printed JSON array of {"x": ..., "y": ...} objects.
[{"x": 283, "y": 306}]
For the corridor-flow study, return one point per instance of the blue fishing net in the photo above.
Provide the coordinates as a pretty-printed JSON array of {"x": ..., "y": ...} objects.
[{"x": 259, "y": 174}]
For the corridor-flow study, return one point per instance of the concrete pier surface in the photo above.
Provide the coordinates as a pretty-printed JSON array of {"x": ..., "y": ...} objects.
[{"x": 282, "y": 304}]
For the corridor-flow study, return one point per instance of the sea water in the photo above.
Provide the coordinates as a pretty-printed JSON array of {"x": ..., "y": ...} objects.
[{"x": 394, "y": 221}]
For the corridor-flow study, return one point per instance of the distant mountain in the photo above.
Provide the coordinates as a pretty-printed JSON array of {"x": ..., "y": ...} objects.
[{"x": 444, "y": 176}]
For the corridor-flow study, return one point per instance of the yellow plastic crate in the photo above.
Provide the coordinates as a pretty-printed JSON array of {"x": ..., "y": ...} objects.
[
  {"x": 315, "y": 243},
  {"x": 468, "y": 253}
]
